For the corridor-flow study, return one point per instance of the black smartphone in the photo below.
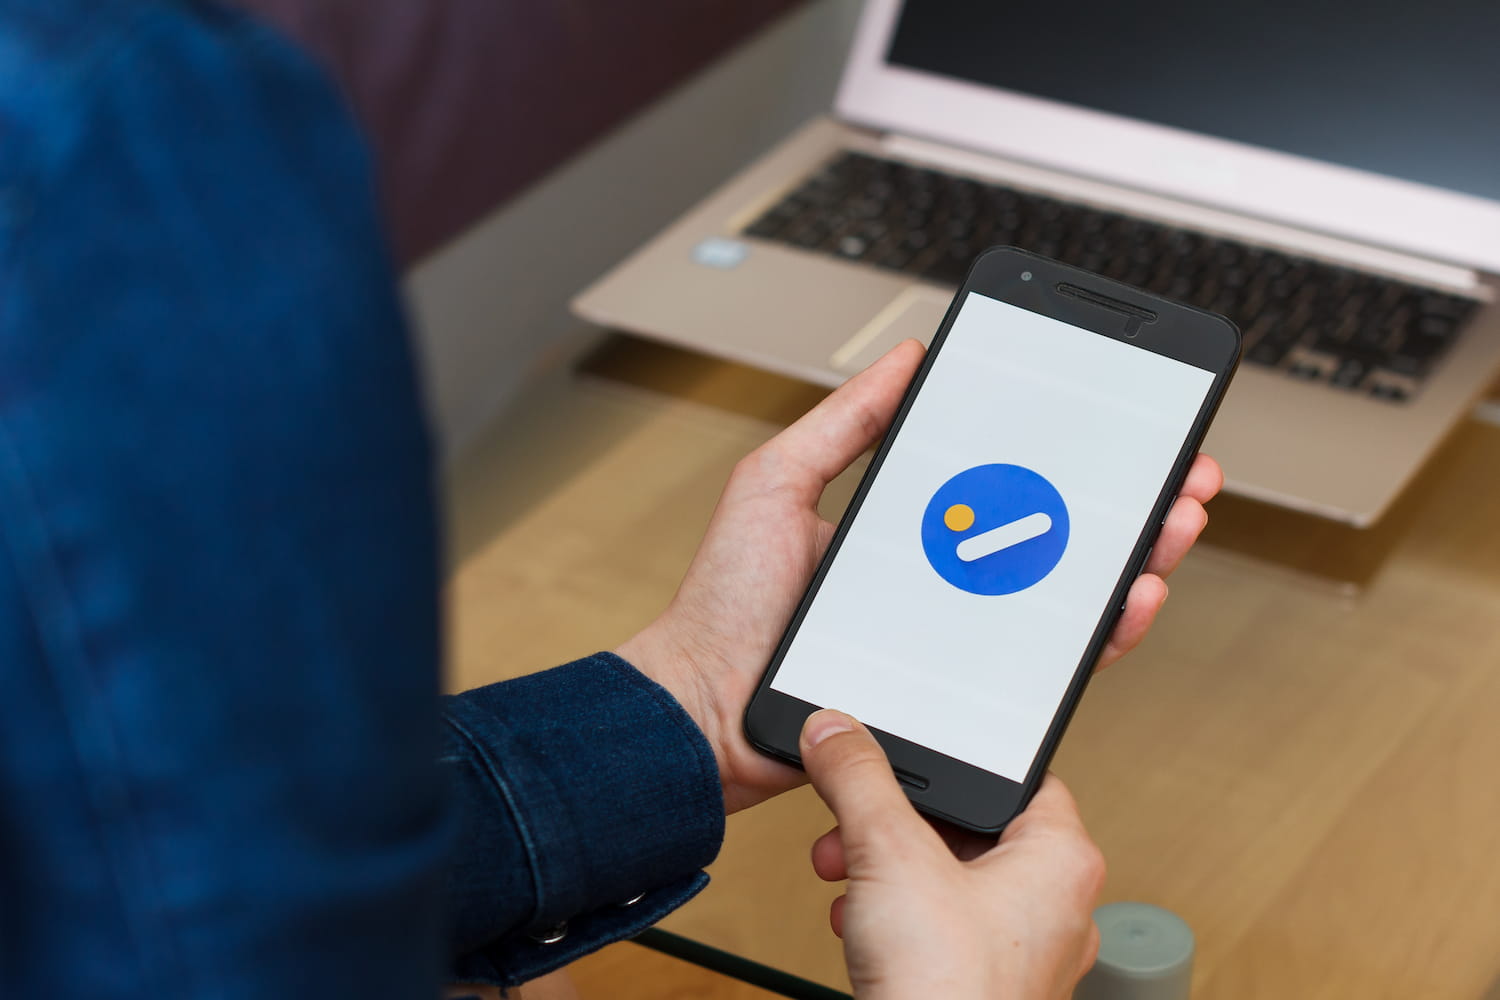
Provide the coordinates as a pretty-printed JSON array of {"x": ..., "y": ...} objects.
[{"x": 985, "y": 557}]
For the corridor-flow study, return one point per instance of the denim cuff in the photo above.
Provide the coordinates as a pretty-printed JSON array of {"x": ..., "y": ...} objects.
[
  {"x": 583, "y": 787},
  {"x": 520, "y": 959}
]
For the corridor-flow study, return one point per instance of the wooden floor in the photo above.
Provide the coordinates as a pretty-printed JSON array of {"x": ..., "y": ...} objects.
[{"x": 1301, "y": 761}]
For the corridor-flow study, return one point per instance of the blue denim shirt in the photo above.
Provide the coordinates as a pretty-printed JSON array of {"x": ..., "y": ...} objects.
[{"x": 225, "y": 771}]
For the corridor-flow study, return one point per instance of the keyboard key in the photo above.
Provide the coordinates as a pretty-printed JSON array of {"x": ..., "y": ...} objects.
[
  {"x": 809, "y": 237},
  {"x": 1403, "y": 364},
  {"x": 1267, "y": 352},
  {"x": 1420, "y": 345},
  {"x": 768, "y": 226},
  {"x": 897, "y": 258},
  {"x": 1349, "y": 373},
  {"x": 1435, "y": 327},
  {"x": 852, "y": 247},
  {"x": 1447, "y": 306}
]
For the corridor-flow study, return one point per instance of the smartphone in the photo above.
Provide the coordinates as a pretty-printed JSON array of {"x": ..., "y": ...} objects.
[{"x": 986, "y": 554}]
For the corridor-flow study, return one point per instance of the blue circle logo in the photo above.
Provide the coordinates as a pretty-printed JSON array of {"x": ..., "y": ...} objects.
[{"x": 995, "y": 529}]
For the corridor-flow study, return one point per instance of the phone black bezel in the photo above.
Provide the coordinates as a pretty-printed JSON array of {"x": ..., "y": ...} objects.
[{"x": 938, "y": 784}]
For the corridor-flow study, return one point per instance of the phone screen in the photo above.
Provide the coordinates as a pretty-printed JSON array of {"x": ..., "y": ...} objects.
[{"x": 974, "y": 574}]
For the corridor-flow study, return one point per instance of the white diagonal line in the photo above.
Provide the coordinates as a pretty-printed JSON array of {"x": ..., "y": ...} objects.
[{"x": 989, "y": 542}]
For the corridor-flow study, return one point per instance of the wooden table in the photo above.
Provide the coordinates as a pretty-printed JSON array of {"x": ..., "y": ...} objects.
[{"x": 1305, "y": 772}]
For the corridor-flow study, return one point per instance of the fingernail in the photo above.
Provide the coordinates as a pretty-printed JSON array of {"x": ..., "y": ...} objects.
[
  {"x": 1165, "y": 593},
  {"x": 823, "y": 724}
]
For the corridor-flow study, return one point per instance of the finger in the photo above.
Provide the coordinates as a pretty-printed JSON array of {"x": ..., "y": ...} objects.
[
  {"x": 851, "y": 773},
  {"x": 836, "y": 915},
  {"x": 828, "y": 850},
  {"x": 828, "y": 857},
  {"x": 1051, "y": 834},
  {"x": 1204, "y": 480},
  {"x": 811, "y": 452},
  {"x": 1185, "y": 522},
  {"x": 1052, "y": 812},
  {"x": 1145, "y": 598},
  {"x": 966, "y": 846}
]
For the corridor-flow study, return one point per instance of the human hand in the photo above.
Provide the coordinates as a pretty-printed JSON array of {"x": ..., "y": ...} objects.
[
  {"x": 949, "y": 914},
  {"x": 713, "y": 642}
]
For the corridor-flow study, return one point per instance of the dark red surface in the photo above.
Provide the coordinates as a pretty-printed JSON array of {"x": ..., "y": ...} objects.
[{"x": 469, "y": 101}]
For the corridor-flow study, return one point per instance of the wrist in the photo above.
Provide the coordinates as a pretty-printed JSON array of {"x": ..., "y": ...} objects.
[{"x": 658, "y": 659}]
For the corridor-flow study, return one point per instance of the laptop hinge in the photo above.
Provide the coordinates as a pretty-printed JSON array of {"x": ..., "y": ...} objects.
[{"x": 1406, "y": 267}]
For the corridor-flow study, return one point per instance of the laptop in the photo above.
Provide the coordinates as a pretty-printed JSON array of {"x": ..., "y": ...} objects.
[{"x": 1327, "y": 175}]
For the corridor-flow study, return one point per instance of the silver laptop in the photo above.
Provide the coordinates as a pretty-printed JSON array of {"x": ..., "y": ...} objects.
[{"x": 1327, "y": 175}]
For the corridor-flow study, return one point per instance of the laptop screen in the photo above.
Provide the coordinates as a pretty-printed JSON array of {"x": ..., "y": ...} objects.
[{"x": 1409, "y": 90}]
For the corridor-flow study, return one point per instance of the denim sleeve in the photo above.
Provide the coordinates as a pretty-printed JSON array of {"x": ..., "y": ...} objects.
[
  {"x": 218, "y": 557},
  {"x": 590, "y": 800}
]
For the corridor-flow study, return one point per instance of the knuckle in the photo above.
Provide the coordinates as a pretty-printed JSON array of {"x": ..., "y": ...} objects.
[
  {"x": 861, "y": 760},
  {"x": 1095, "y": 869},
  {"x": 877, "y": 829},
  {"x": 767, "y": 469},
  {"x": 749, "y": 468},
  {"x": 1086, "y": 862},
  {"x": 871, "y": 423}
]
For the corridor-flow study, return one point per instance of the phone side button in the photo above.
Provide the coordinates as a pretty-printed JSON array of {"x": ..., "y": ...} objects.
[{"x": 1146, "y": 561}]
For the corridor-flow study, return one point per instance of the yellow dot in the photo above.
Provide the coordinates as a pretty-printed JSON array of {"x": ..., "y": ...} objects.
[{"x": 959, "y": 517}]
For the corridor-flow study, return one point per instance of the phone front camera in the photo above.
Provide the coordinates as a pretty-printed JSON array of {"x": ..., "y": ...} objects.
[{"x": 1025, "y": 275}]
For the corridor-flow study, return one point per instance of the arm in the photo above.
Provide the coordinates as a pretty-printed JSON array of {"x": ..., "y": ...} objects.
[
  {"x": 708, "y": 650},
  {"x": 591, "y": 803}
]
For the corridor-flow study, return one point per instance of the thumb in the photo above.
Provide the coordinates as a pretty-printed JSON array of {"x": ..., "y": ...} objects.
[
  {"x": 851, "y": 773},
  {"x": 830, "y": 436}
]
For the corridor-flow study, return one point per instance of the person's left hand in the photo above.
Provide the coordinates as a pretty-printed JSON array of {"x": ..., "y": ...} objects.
[{"x": 715, "y": 640}]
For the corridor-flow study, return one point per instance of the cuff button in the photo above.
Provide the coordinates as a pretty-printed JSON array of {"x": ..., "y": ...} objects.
[{"x": 551, "y": 935}]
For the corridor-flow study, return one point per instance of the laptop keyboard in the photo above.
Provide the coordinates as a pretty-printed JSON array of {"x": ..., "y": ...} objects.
[{"x": 1311, "y": 320}]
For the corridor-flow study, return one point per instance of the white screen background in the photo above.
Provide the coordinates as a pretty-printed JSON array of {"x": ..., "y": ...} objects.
[{"x": 980, "y": 677}]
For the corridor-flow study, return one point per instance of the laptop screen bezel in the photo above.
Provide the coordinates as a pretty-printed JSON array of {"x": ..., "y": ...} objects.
[{"x": 1310, "y": 194}]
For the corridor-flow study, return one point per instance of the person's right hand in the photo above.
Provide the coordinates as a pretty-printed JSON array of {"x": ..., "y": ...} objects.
[{"x": 949, "y": 915}]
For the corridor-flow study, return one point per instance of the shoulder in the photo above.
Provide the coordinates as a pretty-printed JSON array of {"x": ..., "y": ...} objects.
[
  {"x": 107, "y": 80},
  {"x": 182, "y": 189}
]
